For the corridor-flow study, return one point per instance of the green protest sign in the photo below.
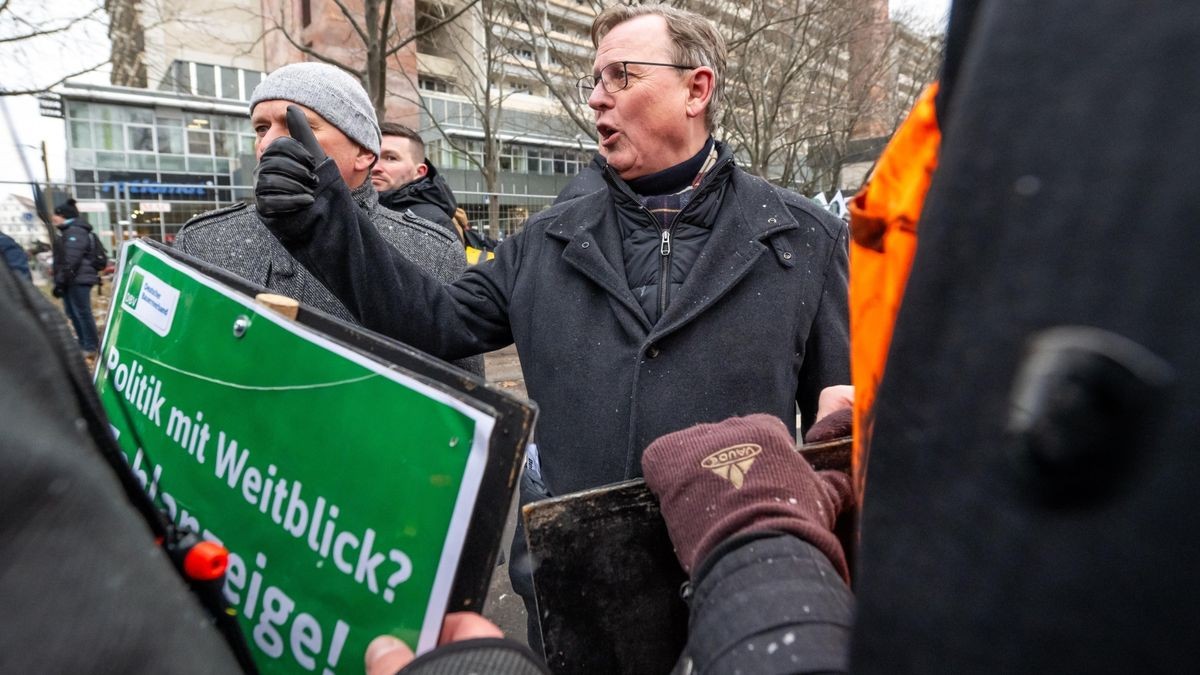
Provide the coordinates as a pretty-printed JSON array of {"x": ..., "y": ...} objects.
[{"x": 341, "y": 486}]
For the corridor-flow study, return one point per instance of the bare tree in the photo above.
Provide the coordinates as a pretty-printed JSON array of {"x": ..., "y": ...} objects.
[
  {"x": 810, "y": 83},
  {"x": 128, "y": 37},
  {"x": 477, "y": 59},
  {"x": 804, "y": 78},
  {"x": 561, "y": 54},
  {"x": 34, "y": 34},
  {"x": 375, "y": 38}
]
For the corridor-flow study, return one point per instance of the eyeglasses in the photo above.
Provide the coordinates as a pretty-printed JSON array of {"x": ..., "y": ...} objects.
[{"x": 615, "y": 77}]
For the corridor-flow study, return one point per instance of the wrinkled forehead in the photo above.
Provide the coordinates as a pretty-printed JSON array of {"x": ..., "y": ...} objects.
[{"x": 642, "y": 38}]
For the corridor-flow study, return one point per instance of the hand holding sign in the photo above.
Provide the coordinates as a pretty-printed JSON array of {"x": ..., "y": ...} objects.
[
  {"x": 286, "y": 176},
  {"x": 386, "y": 654}
]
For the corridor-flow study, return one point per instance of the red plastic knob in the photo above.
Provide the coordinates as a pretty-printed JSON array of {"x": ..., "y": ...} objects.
[{"x": 206, "y": 561}]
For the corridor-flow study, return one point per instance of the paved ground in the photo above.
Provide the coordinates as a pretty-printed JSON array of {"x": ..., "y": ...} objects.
[{"x": 503, "y": 606}]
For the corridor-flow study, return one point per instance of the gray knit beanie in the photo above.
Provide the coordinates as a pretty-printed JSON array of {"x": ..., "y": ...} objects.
[{"x": 328, "y": 91}]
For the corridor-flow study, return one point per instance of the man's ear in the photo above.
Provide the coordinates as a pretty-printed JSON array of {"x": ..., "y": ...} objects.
[
  {"x": 700, "y": 90},
  {"x": 364, "y": 160},
  {"x": 422, "y": 169}
]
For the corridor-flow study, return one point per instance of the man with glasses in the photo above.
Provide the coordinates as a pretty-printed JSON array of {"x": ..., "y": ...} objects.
[{"x": 687, "y": 291}]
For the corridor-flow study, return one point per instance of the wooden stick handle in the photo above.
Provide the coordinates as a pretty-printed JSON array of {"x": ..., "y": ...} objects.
[{"x": 280, "y": 303}]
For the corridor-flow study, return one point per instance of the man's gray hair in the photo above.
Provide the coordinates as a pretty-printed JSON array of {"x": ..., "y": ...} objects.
[{"x": 695, "y": 41}]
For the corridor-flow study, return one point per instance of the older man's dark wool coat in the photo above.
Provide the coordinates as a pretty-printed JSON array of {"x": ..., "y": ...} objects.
[{"x": 759, "y": 325}]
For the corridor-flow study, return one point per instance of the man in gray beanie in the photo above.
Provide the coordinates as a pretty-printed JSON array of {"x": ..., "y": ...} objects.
[{"x": 343, "y": 120}]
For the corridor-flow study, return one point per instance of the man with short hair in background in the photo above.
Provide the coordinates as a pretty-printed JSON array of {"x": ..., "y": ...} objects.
[{"x": 408, "y": 183}]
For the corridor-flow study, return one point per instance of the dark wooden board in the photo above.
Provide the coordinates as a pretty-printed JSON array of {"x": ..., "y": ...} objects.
[{"x": 606, "y": 578}]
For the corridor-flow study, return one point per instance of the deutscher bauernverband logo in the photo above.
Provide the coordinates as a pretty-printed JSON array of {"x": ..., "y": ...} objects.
[{"x": 733, "y": 462}]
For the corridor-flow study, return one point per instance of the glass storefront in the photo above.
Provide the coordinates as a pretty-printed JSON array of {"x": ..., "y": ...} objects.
[{"x": 155, "y": 167}]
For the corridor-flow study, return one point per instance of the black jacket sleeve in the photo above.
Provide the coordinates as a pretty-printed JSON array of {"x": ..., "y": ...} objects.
[
  {"x": 767, "y": 603},
  {"x": 827, "y": 351},
  {"x": 336, "y": 242},
  {"x": 15, "y": 256}
]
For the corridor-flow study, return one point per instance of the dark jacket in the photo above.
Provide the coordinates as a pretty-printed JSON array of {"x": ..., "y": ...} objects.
[
  {"x": 83, "y": 583},
  {"x": 15, "y": 256},
  {"x": 767, "y": 603},
  {"x": 589, "y": 179},
  {"x": 73, "y": 260},
  {"x": 428, "y": 197},
  {"x": 760, "y": 325}
]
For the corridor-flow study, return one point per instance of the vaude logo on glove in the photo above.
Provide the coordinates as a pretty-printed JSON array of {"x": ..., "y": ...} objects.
[{"x": 733, "y": 462}]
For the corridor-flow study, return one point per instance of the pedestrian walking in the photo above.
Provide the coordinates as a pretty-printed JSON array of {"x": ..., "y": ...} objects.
[{"x": 76, "y": 270}]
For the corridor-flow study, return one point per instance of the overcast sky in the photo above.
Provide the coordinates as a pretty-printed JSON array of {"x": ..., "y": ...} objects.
[
  {"x": 33, "y": 128},
  {"x": 933, "y": 11}
]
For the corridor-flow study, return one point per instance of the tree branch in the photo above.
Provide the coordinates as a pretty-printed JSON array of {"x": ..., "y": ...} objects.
[
  {"x": 362, "y": 35},
  {"x": 36, "y": 32},
  {"x": 309, "y": 51},
  {"x": 422, "y": 33},
  {"x": 64, "y": 78}
]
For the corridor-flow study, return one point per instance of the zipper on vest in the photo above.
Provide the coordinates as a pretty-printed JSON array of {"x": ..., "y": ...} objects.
[{"x": 664, "y": 270}]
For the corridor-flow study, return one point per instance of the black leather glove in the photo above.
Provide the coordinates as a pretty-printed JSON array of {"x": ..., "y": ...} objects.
[
  {"x": 58, "y": 291},
  {"x": 286, "y": 178}
]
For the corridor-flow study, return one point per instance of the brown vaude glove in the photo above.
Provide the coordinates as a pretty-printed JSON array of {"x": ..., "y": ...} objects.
[{"x": 742, "y": 475}]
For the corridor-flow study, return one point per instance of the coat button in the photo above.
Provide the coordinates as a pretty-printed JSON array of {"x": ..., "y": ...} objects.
[
  {"x": 585, "y": 244},
  {"x": 1083, "y": 408},
  {"x": 652, "y": 351}
]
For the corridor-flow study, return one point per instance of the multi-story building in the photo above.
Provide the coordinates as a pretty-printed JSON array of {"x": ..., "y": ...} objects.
[
  {"x": 156, "y": 158},
  {"x": 18, "y": 219},
  {"x": 492, "y": 92},
  {"x": 153, "y": 157}
]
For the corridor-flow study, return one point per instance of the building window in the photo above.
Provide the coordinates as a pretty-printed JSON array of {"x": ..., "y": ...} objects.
[
  {"x": 170, "y": 140},
  {"x": 181, "y": 73},
  {"x": 435, "y": 41},
  {"x": 433, "y": 84},
  {"x": 140, "y": 138},
  {"x": 246, "y": 145},
  {"x": 224, "y": 144},
  {"x": 229, "y": 83},
  {"x": 251, "y": 78},
  {"x": 81, "y": 135},
  {"x": 199, "y": 142},
  {"x": 206, "y": 80},
  {"x": 108, "y": 136}
]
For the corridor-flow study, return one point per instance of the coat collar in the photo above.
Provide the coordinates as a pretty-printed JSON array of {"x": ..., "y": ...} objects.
[
  {"x": 366, "y": 197},
  {"x": 593, "y": 247},
  {"x": 741, "y": 209}
]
